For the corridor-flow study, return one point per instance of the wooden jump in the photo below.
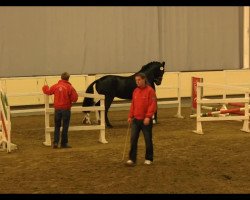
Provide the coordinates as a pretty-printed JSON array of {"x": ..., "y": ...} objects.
[{"x": 48, "y": 111}]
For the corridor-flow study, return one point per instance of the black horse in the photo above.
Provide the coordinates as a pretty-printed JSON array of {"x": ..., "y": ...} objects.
[{"x": 122, "y": 87}]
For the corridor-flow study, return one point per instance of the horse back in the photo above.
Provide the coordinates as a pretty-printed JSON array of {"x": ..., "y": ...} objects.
[{"x": 116, "y": 86}]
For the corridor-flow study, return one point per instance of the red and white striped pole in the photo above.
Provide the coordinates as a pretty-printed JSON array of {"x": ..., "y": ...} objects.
[{"x": 233, "y": 110}]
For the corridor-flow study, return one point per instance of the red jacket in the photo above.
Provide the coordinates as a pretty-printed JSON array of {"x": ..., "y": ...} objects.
[
  {"x": 143, "y": 103},
  {"x": 64, "y": 94}
]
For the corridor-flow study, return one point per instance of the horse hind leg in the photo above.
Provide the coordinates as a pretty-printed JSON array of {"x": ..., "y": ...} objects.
[
  {"x": 108, "y": 101},
  {"x": 86, "y": 118}
]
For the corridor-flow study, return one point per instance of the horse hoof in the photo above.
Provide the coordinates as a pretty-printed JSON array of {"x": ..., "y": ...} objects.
[
  {"x": 109, "y": 126},
  {"x": 85, "y": 121}
]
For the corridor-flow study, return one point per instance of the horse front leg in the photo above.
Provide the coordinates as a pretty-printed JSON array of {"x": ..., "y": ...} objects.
[{"x": 155, "y": 118}]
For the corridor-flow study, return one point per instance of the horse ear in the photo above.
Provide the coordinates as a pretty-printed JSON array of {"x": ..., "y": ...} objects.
[{"x": 163, "y": 63}]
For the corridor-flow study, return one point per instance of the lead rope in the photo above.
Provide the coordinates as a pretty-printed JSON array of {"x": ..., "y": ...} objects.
[{"x": 125, "y": 142}]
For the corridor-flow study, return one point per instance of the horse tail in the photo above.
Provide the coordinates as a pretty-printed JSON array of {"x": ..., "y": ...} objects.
[{"x": 89, "y": 101}]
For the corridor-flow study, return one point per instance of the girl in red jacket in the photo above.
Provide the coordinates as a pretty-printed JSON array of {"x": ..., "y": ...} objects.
[
  {"x": 142, "y": 109},
  {"x": 64, "y": 95}
]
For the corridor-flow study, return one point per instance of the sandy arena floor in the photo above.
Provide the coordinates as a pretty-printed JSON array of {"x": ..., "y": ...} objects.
[{"x": 184, "y": 162}]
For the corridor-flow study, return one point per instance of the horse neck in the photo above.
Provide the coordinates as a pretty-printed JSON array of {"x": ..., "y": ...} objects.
[
  {"x": 148, "y": 72},
  {"x": 150, "y": 75}
]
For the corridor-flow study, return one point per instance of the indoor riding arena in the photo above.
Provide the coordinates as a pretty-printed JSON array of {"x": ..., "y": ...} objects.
[{"x": 196, "y": 59}]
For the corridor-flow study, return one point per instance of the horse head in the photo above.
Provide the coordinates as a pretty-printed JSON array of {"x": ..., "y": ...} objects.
[{"x": 154, "y": 71}]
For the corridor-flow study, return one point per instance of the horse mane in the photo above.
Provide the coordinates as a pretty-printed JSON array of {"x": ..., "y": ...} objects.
[{"x": 147, "y": 66}]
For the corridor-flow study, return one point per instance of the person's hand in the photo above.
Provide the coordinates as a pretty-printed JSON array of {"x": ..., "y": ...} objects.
[
  {"x": 44, "y": 88},
  {"x": 146, "y": 121},
  {"x": 129, "y": 120}
]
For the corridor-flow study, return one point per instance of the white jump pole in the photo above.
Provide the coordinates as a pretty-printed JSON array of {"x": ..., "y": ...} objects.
[
  {"x": 46, "y": 115},
  {"x": 102, "y": 131},
  {"x": 198, "y": 111},
  {"x": 178, "y": 115}
]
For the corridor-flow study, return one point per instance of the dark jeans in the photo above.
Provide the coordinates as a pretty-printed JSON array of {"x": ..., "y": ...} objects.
[
  {"x": 61, "y": 116},
  {"x": 136, "y": 127}
]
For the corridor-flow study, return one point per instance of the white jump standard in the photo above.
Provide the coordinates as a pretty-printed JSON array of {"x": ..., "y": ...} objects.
[
  {"x": 210, "y": 116},
  {"x": 5, "y": 125}
]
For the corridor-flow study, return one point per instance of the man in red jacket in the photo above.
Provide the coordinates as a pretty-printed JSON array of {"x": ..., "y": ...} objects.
[
  {"x": 143, "y": 107},
  {"x": 64, "y": 95}
]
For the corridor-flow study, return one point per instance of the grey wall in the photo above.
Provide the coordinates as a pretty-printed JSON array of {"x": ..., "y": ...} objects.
[{"x": 87, "y": 40}]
